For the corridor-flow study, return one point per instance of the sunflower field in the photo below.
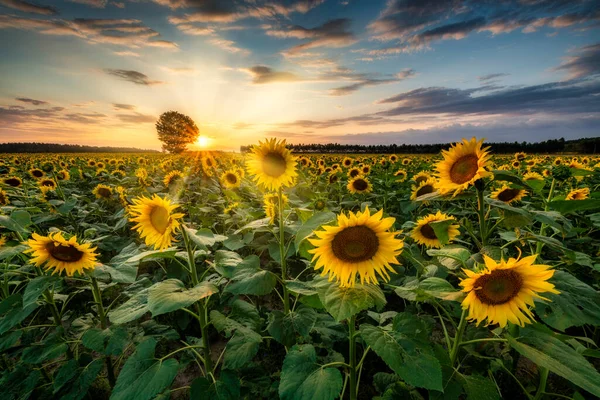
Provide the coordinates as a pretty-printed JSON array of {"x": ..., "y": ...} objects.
[{"x": 272, "y": 275}]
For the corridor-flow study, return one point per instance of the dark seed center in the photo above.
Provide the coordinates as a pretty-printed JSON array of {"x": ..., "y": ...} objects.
[
  {"x": 274, "y": 164},
  {"x": 464, "y": 169},
  {"x": 355, "y": 244},
  {"x": 508, "y": 194},
  {"x": 64, "y": 253},
  {"x": 499, "y": 287},
  {"x": 428, "y": 232}
]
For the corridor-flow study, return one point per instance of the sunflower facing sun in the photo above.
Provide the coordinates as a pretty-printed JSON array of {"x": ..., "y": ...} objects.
[
  {"x": 359, "y": 245},
  {"x": 463, "y": 164},
  {"x": 156, "y": 222},
  {"x": 61, "y": 254},
  {"x": 503, "y": 291},
  {"x": 272, "y": 164}
]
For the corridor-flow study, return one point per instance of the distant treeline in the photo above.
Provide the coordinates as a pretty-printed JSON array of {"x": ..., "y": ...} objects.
[
  {"x": 65, "y": 148},
  {"x": 581, "y": 146}
]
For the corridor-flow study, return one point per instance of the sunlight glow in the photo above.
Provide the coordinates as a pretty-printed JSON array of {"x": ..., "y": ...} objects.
[{"x": 203, "y": 141}]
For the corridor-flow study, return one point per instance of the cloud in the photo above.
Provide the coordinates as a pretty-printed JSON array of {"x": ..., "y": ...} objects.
[
  {"x": 127, "y": 53},
  {"x": 84, "y": 118},
  {"x": 333, "y": 33},
  {"x": 262, "y": 75},
  {"x": 118, "y": 4},
  {"x": 586, "y": 63},
  {"x": 124, "y": 32},
  {"x": 92, "y": 3},
  {"x": 365, "y": 81},
  {"x": 27, "y": 7},
  {"x": 491, "y": 77},
  {"x": 32, "y": 101},
  {"x": 132, "y": 76},
  {"x": 137, "y": 118},
  {"x": 228, "y": 45},
  {"x": 119, "y": 106},
  {"x": 181, "y": 70}
]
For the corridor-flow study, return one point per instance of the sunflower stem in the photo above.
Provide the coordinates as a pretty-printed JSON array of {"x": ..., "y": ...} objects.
[
  {"x": 482, "y": 222},
  {"x": 200, "y": 306},
  {"x": 103, "y": 324},
  {"x": 352, "y": 350},
  {"x": 542, "y": 386},
  {"x": 539, "y": 245},
  {"x": 283, "y": 252},
  {"x": 458, "y": 338}
]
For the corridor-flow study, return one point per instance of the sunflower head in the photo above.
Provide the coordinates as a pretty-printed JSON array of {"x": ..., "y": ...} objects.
[
  {"x": 62, "y": 255},
  {"x": 156, "y": 221},
  {"x": 13, "y": 181},
  {"x": 359, "y": 245},
  {"x": 422, "y": 176},
  {"x": 425, "y": 187},
  {"x": 230, "y": 179},
  {"x": 48, "y": 183},
  {"x": 578, "y": 194},
  {"x": 424, "y": 234},
  {"x": 353, "y": 172},
  {"x": 365, "y": 169},
  {"x": 63, "y": 175},
  {"x": 463, "y": 164},
  {"x": 173, "y": 177},
  {"x": 272, "y": 164},
  {"x": 502, "y": 291},
  {"x": 533, "y": 176},
  {"x": 36, "y": 173},
  {"x": 508, "y": 194},
  {"x": 400, "y": 175},
  {"x": 103, "y": 192},
  {"x": 360, "y": 185},
  {"x": 347, "y": 162}
]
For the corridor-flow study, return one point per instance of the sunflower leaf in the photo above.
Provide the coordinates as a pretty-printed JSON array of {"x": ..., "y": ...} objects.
[
  {"x": 307, "y": 229},
  {"x": 36, "y": 287},
  {"x": 441, "y": 230},
  {"x": 249, "y": 278},
  {"x": 344, "y": 302},
  {"x": 171, "y": 295}
]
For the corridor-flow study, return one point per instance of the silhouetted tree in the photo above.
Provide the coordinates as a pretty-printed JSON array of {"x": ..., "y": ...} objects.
[{"x": 176, "y": 131}]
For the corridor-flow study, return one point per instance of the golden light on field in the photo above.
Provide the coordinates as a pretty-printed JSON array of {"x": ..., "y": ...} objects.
[{"x": 203, "y": 141}]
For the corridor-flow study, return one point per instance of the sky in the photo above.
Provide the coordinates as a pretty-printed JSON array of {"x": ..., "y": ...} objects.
[{"x": 100, "y": 72}]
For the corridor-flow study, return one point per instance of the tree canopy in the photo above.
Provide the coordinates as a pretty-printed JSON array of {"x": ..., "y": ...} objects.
[{"x": 176, "y": 131}]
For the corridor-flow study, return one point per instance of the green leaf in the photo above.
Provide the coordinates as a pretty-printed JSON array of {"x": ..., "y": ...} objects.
[
  {"x": 506, "y": 176},
  {"x": 9, "y": 252},
  {"x": 303, "y": 379},
  {"x": 451, "y": 257},
  {"x": 411, "y": 359},
  {"x": 19, "y": 383},
  {"x": 570, "y": 206},
  {"x": 13, "y": 224},
  {"x": 344, "y": 302},
  {"x": 171, "y": 295},
  {"x": 226, "y": 388},
  {"x": 226, "y": 262},
  {"x": 203, "y": 238},
  {"x": 12, "y": 312},
  {"x": 479, "y": 388},
  {"x": 9, "y": 340},
  {"x": 132, "y": 309},
  {"x": 110, "y": 341},
  {"x": 439, "y": 288},
  {"x": 313, "y": 223},
  {"x": 39, "y": 353},
  {"x": 78, "y": 387},
  {"x": 440, "y": 228},
  {"x": 576, "y": 305},
  {"x": 285, "y": 327},
  {"x": 241, "y": 348},
  {"x": 546, "y": 350},
  {"x": 36, "y": 287},
  {"x": 249, "y": 278},
  {"x": 143, "y": 376},
  {"x": 153, "y": 255}
]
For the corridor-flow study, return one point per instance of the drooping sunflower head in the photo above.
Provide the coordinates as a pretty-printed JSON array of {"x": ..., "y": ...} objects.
[
  {"x": 333, "y": 178},
  {"x": 422, "y": 176},
  {"x": 102, "y": 192},
  {"x": 63, "y": 175},
  {"x": 173, "y": 177},
  {"x": 360, "y": 185},
  {"x": 62, "y": 255},
  {"x": 578, "y": 194},
  {"x": 272, "y": 164},
  {"x": 425, "y": 187},
  {"x": 400, "y": 175},
  {"x": 503, "y": 291},
  {"x": 508, "y": 194},
  {"x": 117, "y": 173},
  {"x": 36, "y": 173},
  {"x": 424, "y": 234},
  {"x": 230, "y": 179},
  {"x": 359, "y": 245},
  {"x": 13, "y": 181},
  {"x": 48, "y": 167},
  {"x": 156, "y": 221},
  {"x": 463, "y": 164}
]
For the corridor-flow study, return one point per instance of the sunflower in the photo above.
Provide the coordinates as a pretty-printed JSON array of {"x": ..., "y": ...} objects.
[
  {"x": 400, "y": 175},
  {"x": 48, "y": 184},
  {"x": 13, "y": 181},
  {"x": 122, "y": 196},
  {"x": 2, "y": 241},
  {"x": 426, "y": 187},
  {"x": 3, "y": 198},
  {"x": 48, "y": 167},
  {"x": 359, "y": 244},
  {"x": 578, "y": 194},
  {"x": 100, "y": 165},
  {"x": 173, "y": 177},
  {"x": 208, "y": 164},
  {"x": 230, "y": 179},
  {"x": 406, "y": 161},
  {"x": 463, "y": 164},
  {"x": 272, "y": 164},
  {"x": 508, "y": 195},
  {"x": 36, "y": 173},
  {"x": 333, "y": 178},
  {"x": 102, "y": 191},
  {"x": 353, "y": 172},
  {"x": 393, "y": 158},
  {"x": 557, "y": 161},
  {"x": 117, "y": 173},
  {"x": 366, "y": 169},
  {"x": 546, "y": 173},
  {"x": 533, "y": 176},
  {"x": 359, "y": 184},
  {"x": 61, "y": 254},
  {"x": 520, "y": 156},
  {"x": 347, "y": 162},
  {"x": 303, "y": 161},
  {"x": 502, "y": 291},
  {"x": 271, "y": 205},
  {"x": 230, "y": 208},
  {"x": 421, "y": 177},
  {"x": 423, "y": 233},
  {"x": 63, "y": 175},
  {"x": 156, "y": 222},
  {"x": 319, "y": 204},
  {"x": 516, "y": 164}
]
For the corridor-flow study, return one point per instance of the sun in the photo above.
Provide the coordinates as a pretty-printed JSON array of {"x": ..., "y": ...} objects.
[{"x": 203, "y": 141}]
